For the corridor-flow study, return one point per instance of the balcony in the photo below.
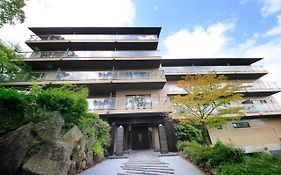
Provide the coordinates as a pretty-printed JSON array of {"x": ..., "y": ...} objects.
[
  {"x": 91, "y": 59},
  {"x": 260, "y": 89},
  {"x": 93, "y": 42},
  {"x": 249, "y": 90},
  {"x": 97, "y": 81},
  {"x": 129, "y": 106},
  {"x": 231, "y": 72},
  {"x": 266, "y": 109}
]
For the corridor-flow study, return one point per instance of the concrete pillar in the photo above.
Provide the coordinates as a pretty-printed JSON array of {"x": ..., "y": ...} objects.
[
  {"x": 119, "y": 141},
  {"x": 155, "y": 137},
  {"x": 163, "y": 139},
  {"x": 171, "y": 134}
]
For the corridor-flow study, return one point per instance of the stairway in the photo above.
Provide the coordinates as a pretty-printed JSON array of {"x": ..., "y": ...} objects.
[{"x": 145, "y": 163}]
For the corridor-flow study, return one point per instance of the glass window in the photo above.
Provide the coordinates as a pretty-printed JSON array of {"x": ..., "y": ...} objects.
[
  {"x": 241, "y": 125},
  {"x": 138, "y": 102}
]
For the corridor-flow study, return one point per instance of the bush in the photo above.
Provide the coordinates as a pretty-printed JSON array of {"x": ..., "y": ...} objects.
[
  {"x": 91, "y": 123},
  {"x": 97, "y": 149},
  {"x": 68, "y": 99},
  {"x": 260, "y": 163},
  {"x": 211, "y": 157},
  {"x": 187, "y": 132},
  {"x": 15, "y": 109}
]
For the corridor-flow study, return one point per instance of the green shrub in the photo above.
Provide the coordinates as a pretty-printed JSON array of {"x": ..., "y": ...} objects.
[
  {"x": 91, "y": 123},
  {"x": 68, "y": 99},
  {"x": 211, "y": 157},
  {"x": 260, "y": 163},
  {"x": 187, "y": 132},
  {"x": 223, "y": 154},
  {"x": 15, "y": 107},
  {"x": 97, "y": 149}
]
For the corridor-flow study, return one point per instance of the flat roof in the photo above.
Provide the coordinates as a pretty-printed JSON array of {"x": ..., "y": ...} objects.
[
  {"x": 96, "y": 30},
  {"x": 208, "y": 61}
]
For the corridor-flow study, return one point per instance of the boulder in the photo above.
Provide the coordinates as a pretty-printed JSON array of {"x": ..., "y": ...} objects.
[
  {"x": 89, "y": 159},
  {"x": 52, "y": 159},
  {"x": 72, "y": 136},
  {"x": 14, "y": 147},
  {"x": 50, "y": 128}
]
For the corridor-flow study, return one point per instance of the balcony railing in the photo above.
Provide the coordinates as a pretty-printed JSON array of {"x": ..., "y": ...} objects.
[
  {"x": 128, "y": 104},
  {"x": 84, "y": 75},
  {"x": 93, "y": 37},
  {"x": 262, "y": 86},
  {"x": 262, "y": 108},
  {"x": 89, "y": 54},
  {"x": 249, "y": 109},
  {"x": 215, "y": 69}
]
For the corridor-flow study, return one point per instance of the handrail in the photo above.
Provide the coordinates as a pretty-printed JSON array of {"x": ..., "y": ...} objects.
[
  {"x": 93, "y": 37},
  {"x": 88, "y": 54},
  {"x": 215, "y": 69},
  {"x": 128, "y": 103},
  {"x": 85, "y": 75}
]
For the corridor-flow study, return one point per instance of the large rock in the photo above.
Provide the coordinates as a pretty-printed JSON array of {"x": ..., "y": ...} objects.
[
  {"x": 13, "y": 149},
  {"x": 52, "y": 159},
  {"x": 50, "y": 128},
  {"x": 72, "y": 136}
]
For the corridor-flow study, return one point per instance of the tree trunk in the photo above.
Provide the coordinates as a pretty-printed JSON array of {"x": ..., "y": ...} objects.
[{"x": 205, "y": 135}]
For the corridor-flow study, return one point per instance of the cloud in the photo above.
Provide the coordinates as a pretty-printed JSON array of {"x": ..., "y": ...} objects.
[
  {"x": 270, "y": 7},
  {"x": 198, "y": 42},
  {"x": 275, "y": 30},
  {"x": 67, "y": 13},
  {"x": 213, "y": 41}
]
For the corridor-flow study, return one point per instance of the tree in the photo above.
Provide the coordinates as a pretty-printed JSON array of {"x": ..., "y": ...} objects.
[
  {"x": 208, "y": 102},
  {"x": 10, "y": 62},
  {"x": 11, "y": 11}
]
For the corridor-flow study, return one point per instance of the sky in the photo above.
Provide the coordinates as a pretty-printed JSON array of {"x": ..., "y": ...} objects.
[{"x": 190, "y": 28}]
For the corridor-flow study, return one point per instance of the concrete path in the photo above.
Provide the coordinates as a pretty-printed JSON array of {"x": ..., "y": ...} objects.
[{"x": 144, "y": 163}]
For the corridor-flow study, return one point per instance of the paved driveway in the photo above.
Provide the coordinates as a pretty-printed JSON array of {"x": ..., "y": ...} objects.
[{"x": 145, "y": 163}]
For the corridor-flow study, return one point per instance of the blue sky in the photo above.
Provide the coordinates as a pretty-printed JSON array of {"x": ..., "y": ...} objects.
[{"x": 190, "y": 28}]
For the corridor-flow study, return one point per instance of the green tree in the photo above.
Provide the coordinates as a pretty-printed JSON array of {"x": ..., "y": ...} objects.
[
  {"x": 208, "y": 102},
  {"x": 10, "y": 62},
  {"x": 11, "y": 11}
]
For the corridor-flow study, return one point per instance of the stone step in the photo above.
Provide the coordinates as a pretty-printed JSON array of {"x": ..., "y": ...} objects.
[
  {"x": 159, "y": 166},
  {"x": 167, "y": 171},
  {"x": 150, "y": 168},
  {"x": 143, "y": 173}
]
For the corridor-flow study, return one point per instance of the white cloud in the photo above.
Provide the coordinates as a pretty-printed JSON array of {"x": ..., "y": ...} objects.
[
  {"x": 270, "y": 7},
  {"x": 199, "y": 42},
  {"x": 213, "y": 41},
  {"x": 275, "y": 30},
  {"x": 67, "y": 13}
]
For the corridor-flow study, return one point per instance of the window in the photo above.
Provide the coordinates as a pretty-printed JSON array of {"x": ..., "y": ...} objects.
[
  {"x": 138, "y": 102},
  {"x": 263, "y": 101},
  {"x": 241, "y": 125}
]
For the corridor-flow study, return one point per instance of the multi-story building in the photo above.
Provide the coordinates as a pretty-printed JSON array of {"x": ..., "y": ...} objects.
[{"x": 130, "y": 85}]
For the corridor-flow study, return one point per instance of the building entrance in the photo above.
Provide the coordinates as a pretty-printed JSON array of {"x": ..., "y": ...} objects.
[{"x": 140, "y": 138}]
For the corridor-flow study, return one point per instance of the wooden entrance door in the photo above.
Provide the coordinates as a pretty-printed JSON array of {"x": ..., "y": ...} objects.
[{"x": 140, "y": 139}]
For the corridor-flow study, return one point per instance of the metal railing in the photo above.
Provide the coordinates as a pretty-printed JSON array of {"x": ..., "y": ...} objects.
[
  {"x": 85, "y": 75},
  {"x": 93, "y": 37},
  {"x": 174, "y": 89},
  {"x": 262, "y": 108},
  {"x": 260, "y": 86},
  {"x": 88, "y": 54},
  {"x": 215, "y": 69},
  {"x": 247, "y": 108},
  {"x": 128, "y": 103}
]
